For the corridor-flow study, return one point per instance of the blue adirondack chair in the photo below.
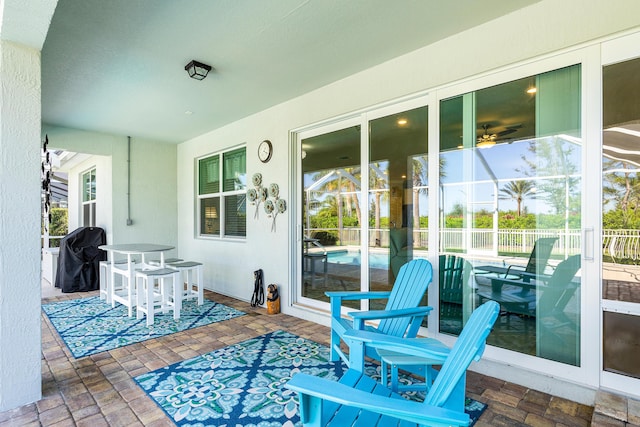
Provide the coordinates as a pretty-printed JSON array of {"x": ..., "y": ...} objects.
[
  {"x": 357, "y": 397},
  {"x": 401, "y": 317}
]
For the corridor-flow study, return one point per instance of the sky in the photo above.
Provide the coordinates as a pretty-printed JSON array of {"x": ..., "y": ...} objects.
[{"x": 505, "y": 163}]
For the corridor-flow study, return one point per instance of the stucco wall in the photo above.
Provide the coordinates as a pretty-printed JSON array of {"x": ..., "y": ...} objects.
[
  {"x": 20, "y": 150},
  {"x": 153, "y": 190}
]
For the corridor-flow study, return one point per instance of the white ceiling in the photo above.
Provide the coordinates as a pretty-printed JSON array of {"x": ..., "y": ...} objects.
[{"x": 117, "y": 66}]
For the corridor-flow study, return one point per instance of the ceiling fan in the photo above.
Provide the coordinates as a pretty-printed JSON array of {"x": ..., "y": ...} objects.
[{"x": 487, "y": 139}]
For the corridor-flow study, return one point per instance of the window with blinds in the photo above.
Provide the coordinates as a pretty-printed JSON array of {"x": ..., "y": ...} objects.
[{"x": 222, "y": 209}]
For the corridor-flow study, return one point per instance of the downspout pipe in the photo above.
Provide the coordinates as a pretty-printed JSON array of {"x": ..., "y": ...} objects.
[{"x": 129, "y": 220}]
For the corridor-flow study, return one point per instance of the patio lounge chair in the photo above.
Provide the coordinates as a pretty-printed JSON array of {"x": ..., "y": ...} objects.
[
  {"x": 355, "y": 396},
  {"x": 401, "y": 317},
  {"x": 519, "y": 296},
  {"x": 537, "y": 263}
]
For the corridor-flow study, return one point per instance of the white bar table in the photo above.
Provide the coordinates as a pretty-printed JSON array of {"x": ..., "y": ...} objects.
[{"x": 128, "y": 275}]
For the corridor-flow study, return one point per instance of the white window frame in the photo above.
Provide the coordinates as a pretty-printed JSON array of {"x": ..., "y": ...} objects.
[
  {"x": 220, "y": 195},
  {"x": 92, "y": 202},
  {"x": 614, "y": 51}
]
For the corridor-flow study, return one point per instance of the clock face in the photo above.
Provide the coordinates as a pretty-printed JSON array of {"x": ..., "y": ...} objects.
[{"x": 265, "y": 149}]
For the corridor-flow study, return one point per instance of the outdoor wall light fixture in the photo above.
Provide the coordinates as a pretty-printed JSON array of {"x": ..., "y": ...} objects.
[{"x": 197, "y": 70}]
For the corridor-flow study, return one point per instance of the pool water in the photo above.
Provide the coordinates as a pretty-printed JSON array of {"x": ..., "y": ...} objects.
[{"x": 354, "y": 258}]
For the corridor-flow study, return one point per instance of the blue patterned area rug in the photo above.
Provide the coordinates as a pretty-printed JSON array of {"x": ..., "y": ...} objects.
[
  {"x": 90, "y": 325},
  {"x": 243, "y": 385}
]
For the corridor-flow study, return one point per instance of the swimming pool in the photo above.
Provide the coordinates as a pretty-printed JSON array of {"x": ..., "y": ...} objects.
[{"x": 376, "y": 260}]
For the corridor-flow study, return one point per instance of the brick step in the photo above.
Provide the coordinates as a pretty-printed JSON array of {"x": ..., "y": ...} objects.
[{"x": 613, "y": 410}]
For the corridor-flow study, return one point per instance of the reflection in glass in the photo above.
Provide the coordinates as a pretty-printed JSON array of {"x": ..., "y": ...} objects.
[
  {"x": 398, "y": 195},
  {"x": 397, "y": 201},
  {"x": 331, "y": 214},
  {"x": 510, "y": 177},
  {"x": 209, "y": 219},
  {"x": 621, "y": 213},
  {"x": 620, "y": 344}
]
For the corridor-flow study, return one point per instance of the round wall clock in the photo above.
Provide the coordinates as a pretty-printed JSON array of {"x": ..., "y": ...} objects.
[{"x": 265, "y": 150}]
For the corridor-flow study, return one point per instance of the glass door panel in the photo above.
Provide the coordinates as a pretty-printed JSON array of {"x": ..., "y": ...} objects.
[
  {"x": 510, "y": 180},
  {"x": 331, "y": 214},
  {"x": 398, "y": 195},
  {"x": 621, "y": 218}
]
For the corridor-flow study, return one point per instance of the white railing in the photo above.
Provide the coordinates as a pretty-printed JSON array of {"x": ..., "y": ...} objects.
[
  {"x": 508, "y": 240},
  {"x": 479, "y": 240},
  {"x": 53, "y": 241},
  {"x": 621, "y": 244},
  {"x": 617, "y": 244}
]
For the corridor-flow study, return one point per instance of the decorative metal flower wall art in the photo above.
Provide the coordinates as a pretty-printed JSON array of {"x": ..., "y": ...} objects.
[
  {"x": 269, "y": 197},
  {"x": 255, "y": 194}
]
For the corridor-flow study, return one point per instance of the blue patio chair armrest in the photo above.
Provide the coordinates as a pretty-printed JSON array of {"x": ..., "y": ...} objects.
[
  {"x": 389, "y": 314},
  {"x": 359, "y": 317},
  {"x": 349, "y": 296},
  {"x": 311, "y": 388},
  {"x": 336, "y": 298},
  {"x": 428, "y": 348}
]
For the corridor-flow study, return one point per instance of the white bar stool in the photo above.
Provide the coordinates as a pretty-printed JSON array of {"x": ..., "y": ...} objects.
[
  {"x": 156, "y": 262},
  {"x": 125, "y": 291},
  {"x": 192, "y": 274},
  {"x": 105, "y": 279},
  {"x": 156, "y": 295}
]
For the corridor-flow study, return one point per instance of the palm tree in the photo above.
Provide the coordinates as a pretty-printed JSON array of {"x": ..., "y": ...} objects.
[
  {"x": 518, "y": 191},
  {"x": 342, "y": 185},
  {"x": 623, "y": 189},
  {"x": 419, "y": 181},
  {"x": 552, "y": 157},
  {"x": 378, "y": 180},
  {"x": 356, "y": 201},
  {"x": 351, "y": 196}
]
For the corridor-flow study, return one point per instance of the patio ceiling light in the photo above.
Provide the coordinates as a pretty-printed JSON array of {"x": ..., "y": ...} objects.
[{"x": 197, "y": 70}]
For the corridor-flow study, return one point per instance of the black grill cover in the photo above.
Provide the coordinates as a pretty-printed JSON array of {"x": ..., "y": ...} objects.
[{"x": 79, "y": 260}]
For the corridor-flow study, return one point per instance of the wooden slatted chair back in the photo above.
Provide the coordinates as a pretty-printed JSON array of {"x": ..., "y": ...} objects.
[
  {"x": 559, "y": 289},
  {"x": 540, "y": 255},
  {"x": 448, "y": 389},
  {"x": 408, "y": 290}
]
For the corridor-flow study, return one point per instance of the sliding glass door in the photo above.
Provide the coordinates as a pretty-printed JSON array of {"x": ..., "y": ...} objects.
[
  {"x": 509, "y": 193},
  {"x": 621, "y": 215},
  {"x": 510, "y": 200},
  {"x": 331, "y": 211},
  {"x": 398, "y": 195},
  {"x": 506, "y": 210},
  {"x": 364, "y": 202}
]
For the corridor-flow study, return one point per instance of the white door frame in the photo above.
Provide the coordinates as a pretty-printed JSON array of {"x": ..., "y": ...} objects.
[{"x": 614, "y": 51}]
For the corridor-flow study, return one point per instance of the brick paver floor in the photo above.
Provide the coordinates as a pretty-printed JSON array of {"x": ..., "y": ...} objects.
[{"x": 99, "y": 390}]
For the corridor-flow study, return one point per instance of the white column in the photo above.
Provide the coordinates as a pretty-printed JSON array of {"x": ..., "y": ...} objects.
[{"x": 20, "y": 147}]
